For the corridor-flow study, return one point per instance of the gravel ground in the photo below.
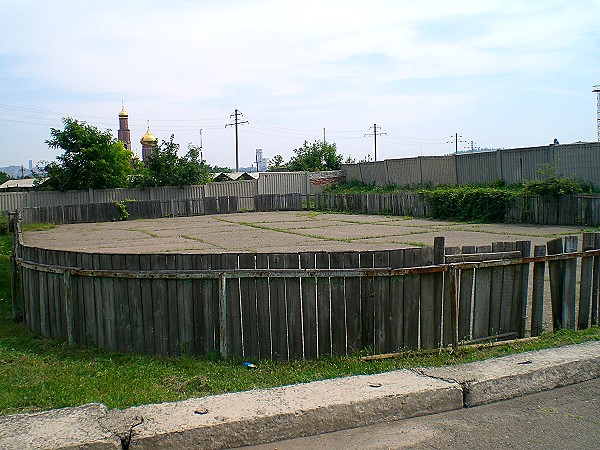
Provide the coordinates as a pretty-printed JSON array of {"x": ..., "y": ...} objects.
[{"x": 274, "y": 232}]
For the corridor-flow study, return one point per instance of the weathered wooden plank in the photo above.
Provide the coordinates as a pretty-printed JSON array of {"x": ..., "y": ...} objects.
[
  {"x": 54, "y": 297},
  {"x": 122, "y": 298},
  {"x": 185, "y": 307},
  {"x": 537, "y": 301},
  {"x": 496, "y": 292},
  {"x": 450, "y": 322},
  {"x": 136, "y": 311},
  {"x": 248, "y": 304},
  {"x": 43, "y": 303},
  {"x": 100, "y": 304},
  {"x": 555, "y": 247},
  {"x": 381, "y": 288},
  {"x": 569, "y": 284},
  {"x": 429, "y": 317},
  {"x": 160, "y": 304},
  {"x": 396, "y": 338},
  {"x": 108, "y": 302},
  {"x": 278, "y": 313},
  {"x": 150, "y": 336},
  {"x": 73, "y": 305},
  {"x": 585, "y": 287},
  {"x": 294, "y": 307},
  {"x": 481, "y": 304},
  {"x": 488, "y": 256},
  {"x": 309, "y": 307},
  {"x": 366, "y": 302},
  {"x": 439, "y": 244},
  {"x": 465, "y": 298},
  {"x": 172, "y": 306},
  {"x": 85, "y": 286},
  {"x": 323, "y": 306},
  {"x": 338, "y": 313},
  {"x": 412, "y": 291},
  {"x": 595, "y": 300},
  {"x": 234, "y": 314},
  {"x": 509, "y": 278},
  {"x": 522, "y": 294},
  {"x": 263, "y": 308},
  {"x": 352, "y": 294}
]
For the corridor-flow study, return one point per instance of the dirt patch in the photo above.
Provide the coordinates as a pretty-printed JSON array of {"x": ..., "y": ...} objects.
[{"x": 279, "y": 232}]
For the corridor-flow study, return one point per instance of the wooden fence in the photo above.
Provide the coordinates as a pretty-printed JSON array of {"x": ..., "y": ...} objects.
[
  {"x": 304, "y": 305},
  {"x": 129, "y": 209},
  {"x": 565, "y": 210},
  {"x": 572, "y": 209}
]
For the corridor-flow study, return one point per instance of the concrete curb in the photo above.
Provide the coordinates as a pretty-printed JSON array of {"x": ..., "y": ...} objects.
[
  {"x": 524, "y": 373},
  {"x": 268, "y": 415}
]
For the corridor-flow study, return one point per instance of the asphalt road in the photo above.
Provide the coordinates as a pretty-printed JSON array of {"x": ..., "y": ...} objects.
[{"x": 563, "y": 418}]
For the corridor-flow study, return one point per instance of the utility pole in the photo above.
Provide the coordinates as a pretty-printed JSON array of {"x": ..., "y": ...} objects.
[
  {"x": 236, "y": 115},
  {"x": 596, "y": 90},
  {"x": 375, "y": 133},
  {"x": 455, "y": 140},
  {"x": 201, "y": 158},
  {"x": 324, "y": 136}
]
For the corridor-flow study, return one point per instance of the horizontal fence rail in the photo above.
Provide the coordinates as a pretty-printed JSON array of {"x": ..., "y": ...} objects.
[{"x": 305, "y": 305}]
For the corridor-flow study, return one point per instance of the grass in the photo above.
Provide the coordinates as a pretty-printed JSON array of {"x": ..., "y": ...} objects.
[{"x": 38, "y": 374}]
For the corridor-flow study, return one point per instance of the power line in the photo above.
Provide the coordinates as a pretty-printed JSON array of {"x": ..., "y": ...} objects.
[
  {"x": 375, "y": 133},
  {"x": 236, "y": 115},
  {"x": 455, "y": 140}
]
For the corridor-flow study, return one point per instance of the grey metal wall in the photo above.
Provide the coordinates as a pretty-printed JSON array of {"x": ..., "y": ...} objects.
[
  {"x": 404, "y": 171},
  {"x": 245, "y": 190},
  {"x": 374, "y": 172},
  {"x": 268, "y": 183},
  {"x": 438, "y": 169},
  {"x": 522, "y": 164},
  {"x": 478, "y": 168},
  {"x": 283, "y": 183},
  {"x": 352, "y": 172},
  {"x": 578, "y": 160}
]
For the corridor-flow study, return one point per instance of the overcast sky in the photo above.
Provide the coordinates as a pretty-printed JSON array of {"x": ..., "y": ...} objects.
[{"x": 501, "y": 73}]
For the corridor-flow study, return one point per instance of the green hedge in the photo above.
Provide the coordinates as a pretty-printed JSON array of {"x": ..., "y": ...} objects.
[{"x": 468, "y": 204}]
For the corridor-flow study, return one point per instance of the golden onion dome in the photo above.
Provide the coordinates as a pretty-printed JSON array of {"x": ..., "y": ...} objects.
[
  {"x": 123, "y": 113},
  {"x": 148, "y": 138}
]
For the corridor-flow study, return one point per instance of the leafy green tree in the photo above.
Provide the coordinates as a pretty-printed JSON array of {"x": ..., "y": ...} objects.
[
  {"x": 164, "y": 168},
  {"x": 218, "y": 169},
  {"x": 4, "y": 177},
  {"x": 276, "y": 164},
  {"x": 92, "y": 159},
  {"x": 320, "y": 155}
]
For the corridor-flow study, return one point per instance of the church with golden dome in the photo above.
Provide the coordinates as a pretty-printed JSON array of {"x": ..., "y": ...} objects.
[{"x": 148, "y": 140}]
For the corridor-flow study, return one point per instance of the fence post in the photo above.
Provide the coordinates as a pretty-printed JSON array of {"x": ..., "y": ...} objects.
[
  {"x": 585, "y": 290},
  {"x": 569, "y": 284},
  {"x": 537, "y": 301},
  {"x": 453, "y": 306},
  {"x": 525, "y": 247},
  {"x": 223, "y": 332},
  {"x": 69, "y": 306}
]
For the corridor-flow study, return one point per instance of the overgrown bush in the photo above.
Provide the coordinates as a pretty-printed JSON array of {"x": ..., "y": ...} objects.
[
  {"x": 468, "y": 203},
  {"x": 3, "y": 225}
]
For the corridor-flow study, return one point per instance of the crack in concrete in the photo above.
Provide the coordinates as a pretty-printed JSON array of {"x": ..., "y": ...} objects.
[
  {"x": 464, "y": 385},
  {"x": 120, "y": 424}
]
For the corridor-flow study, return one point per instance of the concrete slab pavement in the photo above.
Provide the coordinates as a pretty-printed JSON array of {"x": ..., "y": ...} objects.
[{"x": 267, "y": 415}]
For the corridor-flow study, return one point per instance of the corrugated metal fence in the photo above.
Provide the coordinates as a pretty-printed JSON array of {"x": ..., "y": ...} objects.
[
  {"x": 510, "y": 165},
  {"x": 267, "y": 183}
]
